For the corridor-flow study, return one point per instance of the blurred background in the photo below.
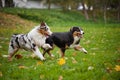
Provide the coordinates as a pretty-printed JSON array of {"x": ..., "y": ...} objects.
[{"x": 107, "y": 10}]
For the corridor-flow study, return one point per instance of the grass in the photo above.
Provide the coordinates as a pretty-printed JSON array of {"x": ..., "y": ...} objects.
[{"x": 100, "y": 40}]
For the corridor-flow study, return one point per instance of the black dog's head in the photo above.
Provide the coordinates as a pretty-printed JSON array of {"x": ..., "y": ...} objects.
[{"x": 77, "y": 32}]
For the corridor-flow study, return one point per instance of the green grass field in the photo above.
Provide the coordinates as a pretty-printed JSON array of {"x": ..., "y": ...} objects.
[{"x": 102, "y": 41}]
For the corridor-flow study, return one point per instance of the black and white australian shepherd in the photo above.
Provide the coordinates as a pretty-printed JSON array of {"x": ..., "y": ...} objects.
[
  {"x": 65, "y": 40},
  {"x": 30, "y": 41}
]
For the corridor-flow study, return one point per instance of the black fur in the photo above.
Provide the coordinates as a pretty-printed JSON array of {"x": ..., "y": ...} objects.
[{"x": 63, "y": 40}]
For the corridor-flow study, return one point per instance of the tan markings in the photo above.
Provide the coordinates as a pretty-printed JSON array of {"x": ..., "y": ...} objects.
[
  {"x": 62, "y": 54},
  {"x": 66, "y": 46},
  {"x": 43, "y": 32},
  {"x": 77, "y": 47},
  {"x": 76, "y": 34}
]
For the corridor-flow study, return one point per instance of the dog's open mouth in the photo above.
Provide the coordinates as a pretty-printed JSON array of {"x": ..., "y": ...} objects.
[
  {"x": 47, "y": 35},
  {"x": 78, "y": 34}
]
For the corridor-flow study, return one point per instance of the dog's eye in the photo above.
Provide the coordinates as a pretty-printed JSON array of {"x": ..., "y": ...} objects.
[{"x": 46, "y": 29}]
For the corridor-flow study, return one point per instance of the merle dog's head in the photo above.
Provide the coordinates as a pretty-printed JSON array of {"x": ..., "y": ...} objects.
[
  {"x": 44, "y": 29},
  {"x": 77, "y": 32}
]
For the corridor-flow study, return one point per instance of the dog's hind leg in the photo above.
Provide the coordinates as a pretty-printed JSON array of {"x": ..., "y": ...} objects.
[{"x": 11, "y": 53}]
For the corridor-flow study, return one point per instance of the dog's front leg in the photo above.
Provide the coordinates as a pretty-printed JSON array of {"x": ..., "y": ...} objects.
[
  {"x": 62, "y": 52},
  {"x": 37, "y": 52},
  {"x": 79, "y": 48}
]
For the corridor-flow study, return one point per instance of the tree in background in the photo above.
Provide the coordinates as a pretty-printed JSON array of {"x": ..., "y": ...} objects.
[
  {"x": 9, "y": 3},
  {"x": 6, "y": 3},
  {"x": 0, "y": 3},
  {"x": 49, "y": 4},
  {"x": 100, "y": 8},
  {"x": 84, "y": 9}
]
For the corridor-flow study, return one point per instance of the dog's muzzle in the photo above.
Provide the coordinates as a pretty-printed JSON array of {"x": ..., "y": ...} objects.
[{"x": 48, "y": 33}]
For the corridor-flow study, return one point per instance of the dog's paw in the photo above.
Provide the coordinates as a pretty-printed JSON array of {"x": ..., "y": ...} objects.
[
  {"x": 43, "y": 59},
  {"x": 47, "y": 46},
  {"x": 18, "y": 56},
  {"x": 52, "y": 55},
  {"x": 85, "y": 51},
  {"x": 9, "y": 59}
]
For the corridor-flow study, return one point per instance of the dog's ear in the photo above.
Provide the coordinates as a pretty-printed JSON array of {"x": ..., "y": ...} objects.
[
  {"x": 71, "y": 29},
  {"x": 42, "y": 25}
]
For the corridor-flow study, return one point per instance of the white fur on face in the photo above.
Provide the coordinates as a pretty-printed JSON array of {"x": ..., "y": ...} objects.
[
  {"x": 49, "y": 31},
  {"x": 81, "y": 31}
]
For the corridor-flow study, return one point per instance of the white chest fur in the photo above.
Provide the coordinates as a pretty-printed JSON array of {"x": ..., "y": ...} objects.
[
  {"x": 38, "y": 38},
  {"x": 74, "y": 42}
]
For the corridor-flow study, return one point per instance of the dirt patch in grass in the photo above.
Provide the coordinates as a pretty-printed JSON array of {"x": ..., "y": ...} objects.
[{"x": 8, "y": 20}]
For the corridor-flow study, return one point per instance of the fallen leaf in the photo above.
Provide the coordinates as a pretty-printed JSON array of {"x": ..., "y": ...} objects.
[
  {"x": 74, "y": 54},
  {"x": 90, "y": 68},
  {"x": 109, "y": 70},
  {"x": 42, "y": 76},
  {"x": 33, "y": 55},
  {"x": 94, "y": 48},
  {"x": 87, "y": 42},
  {"x": 4, "y": 56},
  {"x": 39, "y": 63},
  {"x": 60, "y": 77},
  {"x": 61, "y": 61},
  {"x": 18, "y": 56},
  {"x": 22, "y": 67},
  {"x": 118, "y": 60},
  {"x": 0, "y": 46},
  {"x": 93, "y": 54},
  {"x": 84, "y": 59},
  {"x": 1, "y": 74},
  {"x": 118, "y": 49},
  {"x": 117, "y": 68},
  {"x": 104, "y": 78},
  {"x": 73, "y": 60}
]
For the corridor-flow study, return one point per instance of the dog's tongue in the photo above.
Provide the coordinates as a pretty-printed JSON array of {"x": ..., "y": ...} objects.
[{"x": 46, "y": 35}]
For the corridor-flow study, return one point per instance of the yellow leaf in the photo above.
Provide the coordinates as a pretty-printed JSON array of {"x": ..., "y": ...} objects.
[
  {"x": 90, "y": 68},
  {"x": 22, "y": 67},
  {"x": 39, "y": 62},
  {"x": 74, "y": 54},
  {"x": 84, "y": 59},
  {"x": 61, "y": 61},
  {"x": 42, "y": 76},
  {"x": 60, "y": 78},
  {"x": 109, "y": 69},
  {"x": 73, "y": 60},
  {"x": 1, "y": 74},
  {"x": 5, "y": 56},
  {"x": 117, "y": 68}
]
